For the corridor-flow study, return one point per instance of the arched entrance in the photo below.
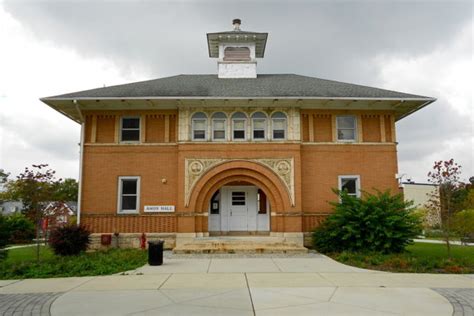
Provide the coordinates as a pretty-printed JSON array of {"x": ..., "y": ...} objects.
[
  {"x": 251, "y": 175},
  {"x": 237, "y": 208}
]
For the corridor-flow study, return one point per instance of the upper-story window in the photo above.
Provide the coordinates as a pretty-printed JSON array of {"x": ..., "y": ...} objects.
[
  {"x": 219, "y": 123},
  {"x": 239, "y": 125},
  {"x": 259, "y": 126},
  {"x": 237, "y": 54},
  {"x": 199, "y": 126},
  {"x": 346, "y": 128},
  {"x": 130, "y": 129},
  {"x": 279, "y": 123}
]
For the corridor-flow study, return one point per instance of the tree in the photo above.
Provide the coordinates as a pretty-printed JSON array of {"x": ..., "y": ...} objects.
[
  {"x": 34, "y": 187},
  {"x": 66, "y": 190},
  {"x": 3, "y": 180},
  {"x": 445, "y": 175}
]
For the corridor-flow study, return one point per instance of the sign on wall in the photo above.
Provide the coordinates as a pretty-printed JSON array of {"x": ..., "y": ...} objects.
[{"x": 158, "y": 208}]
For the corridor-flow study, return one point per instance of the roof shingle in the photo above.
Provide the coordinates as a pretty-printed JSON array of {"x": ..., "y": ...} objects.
[{"x": 264, "y": 86}]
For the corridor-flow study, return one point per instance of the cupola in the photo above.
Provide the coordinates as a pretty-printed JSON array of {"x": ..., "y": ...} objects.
[{"x": 237, "y": 51}]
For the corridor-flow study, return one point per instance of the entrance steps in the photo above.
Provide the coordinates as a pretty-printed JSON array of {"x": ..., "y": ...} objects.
[{"x": 239, "y": 245}]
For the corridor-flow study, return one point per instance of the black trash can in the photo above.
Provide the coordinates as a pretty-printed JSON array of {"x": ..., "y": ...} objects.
[{"x": 155, "y": 252}]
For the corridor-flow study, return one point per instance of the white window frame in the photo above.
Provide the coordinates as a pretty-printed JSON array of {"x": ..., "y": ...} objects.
[
  {"x": 119, "y": 199},
  {"x": 139, "y": 129},
  {"x": 213, "y": 129},
  {"x": 355, "y": 129},
  {"x": 356, "y": 177},
  {"x": 193, "y": 120},
  {"x": 244, "y": 129},
  {"x": 285, "y": 129},
  {"x": 265, "y": 128}
]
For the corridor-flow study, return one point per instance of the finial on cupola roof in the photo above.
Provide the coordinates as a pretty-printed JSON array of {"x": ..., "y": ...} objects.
[
  {"x": 236, "y": 23},
  {"x": 237, "y": 51}
]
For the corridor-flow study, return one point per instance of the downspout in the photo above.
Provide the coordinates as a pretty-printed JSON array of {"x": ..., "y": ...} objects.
[{"x": 81, "y": 158}]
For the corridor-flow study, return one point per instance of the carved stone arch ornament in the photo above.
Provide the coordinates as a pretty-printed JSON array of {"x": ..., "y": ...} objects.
[{"x": 196, "y": 168}]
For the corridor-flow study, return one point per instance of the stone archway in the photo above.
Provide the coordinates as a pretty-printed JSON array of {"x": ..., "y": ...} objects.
[
  {"x": 240, "y": 170},
  {"x": 227, "y": 172}
]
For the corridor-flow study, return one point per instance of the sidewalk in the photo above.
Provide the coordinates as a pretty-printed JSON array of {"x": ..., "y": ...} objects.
[
  {"x": 242, "y": 286},
  {"x": 434, "y": 241}
]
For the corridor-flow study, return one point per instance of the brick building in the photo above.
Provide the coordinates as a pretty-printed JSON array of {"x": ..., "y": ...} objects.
[{"x": 197, "y": 155}]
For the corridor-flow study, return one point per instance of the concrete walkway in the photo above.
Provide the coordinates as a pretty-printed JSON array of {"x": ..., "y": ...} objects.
[
  {"x": 434, "y": 241},
  {"x": 241, "y": 286}
]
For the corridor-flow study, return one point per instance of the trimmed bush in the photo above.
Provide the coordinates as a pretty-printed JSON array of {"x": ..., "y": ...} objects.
[
  {"x": 69, "y": 240},
  {"x": 377, "y": 222},
  {"x": 22, "y": 230}
]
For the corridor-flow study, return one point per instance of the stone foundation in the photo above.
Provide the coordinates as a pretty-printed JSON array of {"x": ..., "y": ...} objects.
[
  {"x": 132, "y": 240},
  {"x": 308, "y": 240}
]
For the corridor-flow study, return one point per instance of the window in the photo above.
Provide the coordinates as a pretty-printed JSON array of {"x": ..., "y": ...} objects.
[
  {"x": 259, "y": 125},
  {"x": 238, "y": 198},
  {"x": 279, "y": 125},
  {"x": 199, "y": 126},
  {"x": 350, "y": 184},
  {"x": 261, "y": 202},
  {"x": 236, "y": 54},
  {"x": 239, "y": 124},
  {"x": 129, "y": 195},
  {"x": 346, "y": 128},
  {"x": 219, "y": 126},
  {"x": 215, "y": 203},
  {"x": 130, "y": 129}
]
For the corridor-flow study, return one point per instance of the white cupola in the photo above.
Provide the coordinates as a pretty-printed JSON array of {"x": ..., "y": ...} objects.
[{"x": 237, "y": 51}]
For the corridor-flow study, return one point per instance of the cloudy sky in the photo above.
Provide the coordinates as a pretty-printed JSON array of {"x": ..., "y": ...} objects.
[{"x": 54, "y": 47}]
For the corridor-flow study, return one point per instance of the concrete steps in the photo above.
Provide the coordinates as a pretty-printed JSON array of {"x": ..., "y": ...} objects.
[{"x": 238, "y": 245}]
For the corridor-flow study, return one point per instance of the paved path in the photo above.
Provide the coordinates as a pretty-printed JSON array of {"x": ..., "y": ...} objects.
[
  {"x": 21, "y": 246},
  {"x": 245, "y": 286},
  {"x": 435, "y": 241}
]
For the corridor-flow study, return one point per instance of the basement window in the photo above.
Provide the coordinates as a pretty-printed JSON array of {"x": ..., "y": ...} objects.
[
  {"x": 346, "y": 128},
  {"x": 129, "y": 195},
  {"x": 130, "y": 129},
  {"x": 350, "y": 184}
]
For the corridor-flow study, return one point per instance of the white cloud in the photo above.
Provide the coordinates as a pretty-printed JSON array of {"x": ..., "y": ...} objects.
[
  {"x": 443, "y": 130},
  {"x": 31, "y": 132}
]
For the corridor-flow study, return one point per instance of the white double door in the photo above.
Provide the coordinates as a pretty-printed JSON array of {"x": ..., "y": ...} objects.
[{"x": 238, "y": 211}]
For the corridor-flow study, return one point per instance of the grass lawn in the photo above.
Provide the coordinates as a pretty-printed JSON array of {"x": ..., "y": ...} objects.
[
  {"x": 21, "y": 263},
  {"x": 419, "y": 257},
  {"x": 19, "y": 255}
]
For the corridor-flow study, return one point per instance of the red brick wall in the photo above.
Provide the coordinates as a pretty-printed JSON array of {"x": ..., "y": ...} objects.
[
  {"x": 317, "y": 167},
  {"x": 322, "y": 164}
]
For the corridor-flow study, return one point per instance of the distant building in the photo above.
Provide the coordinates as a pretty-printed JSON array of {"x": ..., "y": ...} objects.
[
  {"x": 59, "y": 213},
  {"x": 10, "y": 207},
  {"x": 420, "y": 194}
]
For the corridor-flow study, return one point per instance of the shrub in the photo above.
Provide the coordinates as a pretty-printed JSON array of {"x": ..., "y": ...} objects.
[
  {"x": 22, "y": 230},
  {"x": 463, "y": 223},
  {"x": 4, "y": 236},
  {"x": 378, "y": 222},
  {"x": 69, "y": 240}
]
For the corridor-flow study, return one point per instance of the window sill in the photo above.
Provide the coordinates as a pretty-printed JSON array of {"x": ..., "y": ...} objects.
[
  {"x": 134, "y": 142},
  {"x": 128, "y": 212}
]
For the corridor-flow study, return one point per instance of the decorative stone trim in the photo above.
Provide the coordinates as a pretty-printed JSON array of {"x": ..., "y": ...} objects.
[{"x": 195, "y": 168}]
